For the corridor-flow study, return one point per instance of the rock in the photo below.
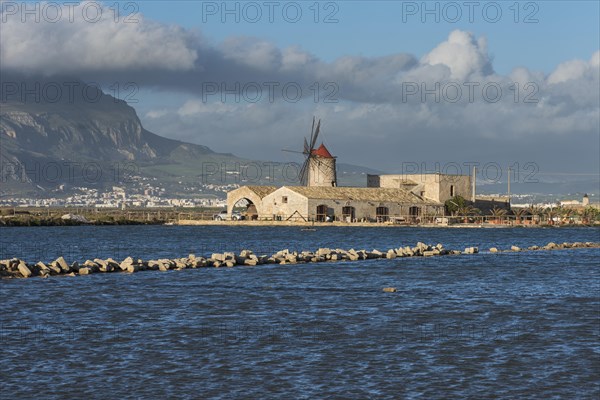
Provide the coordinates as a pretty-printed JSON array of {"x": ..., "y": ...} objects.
[
  {"x": 533, "y": 248},
  {"x": 102, "y": 265},
  {"x": 132, "y": 268},
  {"x": 374, "y": 254},
  {"x": 391, "y": 254},
  {"x": 389, "y": 289},
  {"x": 218, "y": 257},
  {"x": 246, "y": 253},
  {"x": 551, "y": 246},
  {"x": 54, "y": 268},
  {"x": 323, "y": 252},
  {"x": 85, "y": 271},
  {"x": 24, "y": 269},
  {"x": 230, "y": 263},
  {"x": 125, "y": 264},
  {"x": 62, "y": 264},
  {"x": 471, "y": 250},
  {"x": 515, "y": 248},
  {"x": 493, "y": 250},
  {"x": 429, "y": 253},
  {"x": 163, "y": 267},
  {"x": 42, "y": 267}
]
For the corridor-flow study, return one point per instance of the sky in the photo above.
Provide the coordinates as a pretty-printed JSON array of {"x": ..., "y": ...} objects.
[{"x": 398, "y": 85}]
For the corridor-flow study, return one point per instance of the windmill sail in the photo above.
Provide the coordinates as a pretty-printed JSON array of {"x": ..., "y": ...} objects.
[
  {"x": 308, "y": 151},
  {"x": 314, "y": 139}
]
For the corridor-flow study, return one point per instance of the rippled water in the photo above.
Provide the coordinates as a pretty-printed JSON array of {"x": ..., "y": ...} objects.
[{"x": 513, "y": 325}]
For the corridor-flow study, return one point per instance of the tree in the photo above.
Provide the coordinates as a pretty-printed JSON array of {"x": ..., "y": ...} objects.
[
  {"x": 551, "y": 215},
  {"x": 519, "y": 214},
  {"x": 589, "y": 215},
  {"x": 565, "y": 214},
  {"x": 454, "y": 204},
  {"x": 537, "y": 212},
  {"x": 498, "y": 213}
]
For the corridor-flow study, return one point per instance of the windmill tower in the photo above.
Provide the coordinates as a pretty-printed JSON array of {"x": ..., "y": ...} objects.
[{"x": 319, "y": 166}]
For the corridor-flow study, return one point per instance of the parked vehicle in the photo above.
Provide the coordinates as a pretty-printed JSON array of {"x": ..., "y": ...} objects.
[{"x": 222, "y": 216}]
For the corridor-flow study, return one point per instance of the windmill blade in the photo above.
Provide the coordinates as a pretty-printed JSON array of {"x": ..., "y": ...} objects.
[
  {"x": 312, "y": 132},
  {"x": 306, "y": 148},
  {"x": 314, "y": 139},
  {"x": 303, "y": 175}
]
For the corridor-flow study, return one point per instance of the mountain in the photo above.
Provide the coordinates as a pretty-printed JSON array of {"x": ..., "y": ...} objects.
[{"x": 84, "y": 137}]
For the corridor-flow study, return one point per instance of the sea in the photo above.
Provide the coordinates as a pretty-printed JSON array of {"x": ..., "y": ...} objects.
[{"x": 513, "y": 325}]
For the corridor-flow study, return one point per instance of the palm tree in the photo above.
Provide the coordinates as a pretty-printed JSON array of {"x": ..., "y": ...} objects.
[
  {"x": 537, "y": 212},
  {"x": 589, "y": 214},
  {"x": 498, "y": 213},
  {"x": 551, "y": 214},
  {"x": 467, "y": 210},
  {"x": 565, "y": 214},
  {"x": 519, "y": 214}
]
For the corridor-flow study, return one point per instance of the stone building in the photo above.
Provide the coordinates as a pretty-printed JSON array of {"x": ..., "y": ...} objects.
[
  {"x": 302, "y": 203},
  {"x": 435, "y": 186}
]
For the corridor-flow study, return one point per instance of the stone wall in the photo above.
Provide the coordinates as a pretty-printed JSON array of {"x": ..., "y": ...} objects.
[
  {"x": 437, "y": 187},
  {"x": 283, "y": 203}
]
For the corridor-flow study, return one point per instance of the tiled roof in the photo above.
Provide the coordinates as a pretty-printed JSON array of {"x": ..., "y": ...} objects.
[
  {"x": 262, "y": 191},
  {"x": 322, "y": 152},
  {"x": 360, "y": 194}
]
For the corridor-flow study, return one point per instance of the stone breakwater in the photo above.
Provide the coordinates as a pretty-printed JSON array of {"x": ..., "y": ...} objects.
[{"x": 17, "y": 268}]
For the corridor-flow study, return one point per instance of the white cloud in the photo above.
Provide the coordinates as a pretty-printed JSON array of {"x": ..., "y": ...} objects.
[
  {"x": 74, "y": 44},
  {"x": 575, "y": 69},
  {"x": 463, "y": 54}
]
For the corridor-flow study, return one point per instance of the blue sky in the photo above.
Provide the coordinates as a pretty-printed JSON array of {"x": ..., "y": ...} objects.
[{"x": 564, "y": 29}]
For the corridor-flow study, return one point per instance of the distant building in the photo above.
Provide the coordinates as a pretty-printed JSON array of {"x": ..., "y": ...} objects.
[
  {"x": 302, "y": 203},
  {"x": 585, "y": 202},
  {"x": 436, "y": 186}
]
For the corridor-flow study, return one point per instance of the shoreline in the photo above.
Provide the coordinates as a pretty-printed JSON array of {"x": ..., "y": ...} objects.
[
  {"x": 275, "y": 224},
  {"x": 367, "y": 224}
]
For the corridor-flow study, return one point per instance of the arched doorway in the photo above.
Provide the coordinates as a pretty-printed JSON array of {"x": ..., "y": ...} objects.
[
  {"x": 348, "y": 214},
  {"x": 382, "y": 214},
  {"x": 321, "y": 213},
  {"x": 244, "y": 208}
]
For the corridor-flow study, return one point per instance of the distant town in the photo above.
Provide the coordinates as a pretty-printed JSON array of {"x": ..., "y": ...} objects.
[{"x": 206, "y": 196}]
